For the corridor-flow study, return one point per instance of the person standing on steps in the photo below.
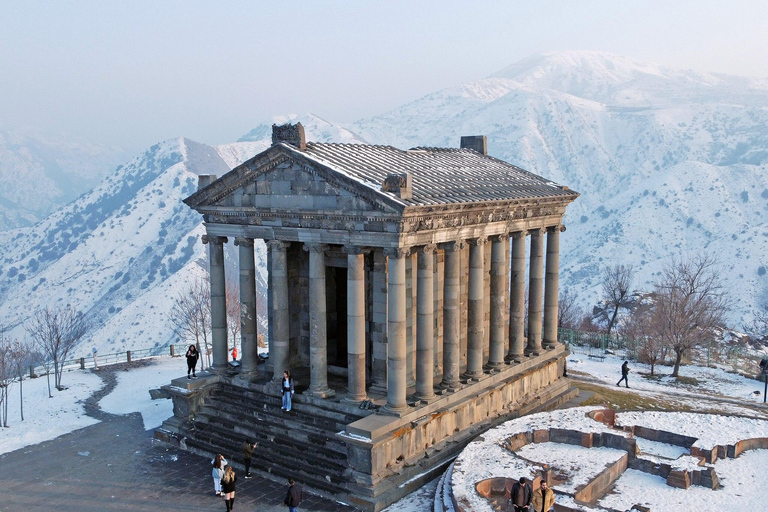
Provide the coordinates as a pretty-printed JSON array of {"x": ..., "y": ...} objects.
[
  {"x": 287, "y": 387},
  {"x": 543, "y": 499},
  {"x": 294, "y": 496},
  {"x": 192, "y": 355},
  {"x": 219, "y": 463},
  {"x": 247, "y": 456},
  {"x": 228, "y": 487},
  {"x": 624, "y": 373},
  {"x": 520, "y": 496}
]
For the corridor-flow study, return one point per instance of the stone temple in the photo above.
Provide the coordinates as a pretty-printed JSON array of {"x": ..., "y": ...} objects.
[{"x": 397, "y": 299}]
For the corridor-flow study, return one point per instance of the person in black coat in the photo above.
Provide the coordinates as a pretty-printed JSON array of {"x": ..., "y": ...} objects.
[
  {"x": 294, "y": 496},
  {"x": 228, "y": 487},
  {"x": 624, "y": 373},
  {"x": 520, "y": 496},
  {"x": 192, "y": 356}
]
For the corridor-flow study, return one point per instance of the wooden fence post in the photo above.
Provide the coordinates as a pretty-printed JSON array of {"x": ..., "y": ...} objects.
[
  {"x": 173, "y": 351},
  {"x": 82, "y": 363},
  {"x": 128, "y": 354}
]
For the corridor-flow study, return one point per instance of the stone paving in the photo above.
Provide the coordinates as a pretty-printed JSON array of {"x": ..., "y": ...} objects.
[{"x": 117, "y": 465}]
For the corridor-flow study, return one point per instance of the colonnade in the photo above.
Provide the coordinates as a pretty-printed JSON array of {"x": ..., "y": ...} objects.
[{"x": 507, "y": 297}]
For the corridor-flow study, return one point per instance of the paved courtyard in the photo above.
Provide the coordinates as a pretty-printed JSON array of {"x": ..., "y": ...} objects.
[{"x": 117, "y": 465}]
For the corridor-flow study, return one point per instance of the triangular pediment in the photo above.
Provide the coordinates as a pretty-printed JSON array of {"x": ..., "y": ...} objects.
[{"x": 281, "y": 179}]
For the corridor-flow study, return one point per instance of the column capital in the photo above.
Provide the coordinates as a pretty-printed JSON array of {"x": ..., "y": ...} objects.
[
  {"x": 478, "y": 241},
  {"x": 503, "y": 237},
  {"x": 536, "y": 231},
  {"x": 558, "y": 227},
  {"x": 519, "y": 234},
  {"x": 315, "y": 247},
  {"x": 355, "y": 249},
  {"x": 428, "y": 249},
  {"x": 211, "y": 239},
  {"x": 458, "y": 245},
  {"x": 397, "y": 252},
  {"x": 245, "y": 242},
  {"x": 278, "y": 245}
]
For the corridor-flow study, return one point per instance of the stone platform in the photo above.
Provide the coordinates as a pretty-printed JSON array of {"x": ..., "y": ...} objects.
[{"x": 363, "y": 457}]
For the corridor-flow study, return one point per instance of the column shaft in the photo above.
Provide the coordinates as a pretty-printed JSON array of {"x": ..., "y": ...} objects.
[
  {"x": 551, "y": 285},
  {"x": 475, "y": 328},
  {"x": 248, "y": 317},
  {"x": 318, "y": 339},
  {"x": 279, "y": 331},
  {"x": 396, "y": 323},
  {"x": 499, "y": 293},
  {"x": 452, "y": 316},
  {"x": 355, "y": 324},
  {"x": 218, "y": 301},
  {"x": 425, "y": 326},
  {"x": 535, "y": 289},
  {"x": 517, "y": 299}
]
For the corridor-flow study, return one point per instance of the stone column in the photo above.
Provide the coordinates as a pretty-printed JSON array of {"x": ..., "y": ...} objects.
[
  {"x": 551, "y": 285},
  {"x": 218, "y": 301},
  {"x": 452, "y": 316},
  {"x": 318, "y": 338},
  {"x": 379, "y": 321},
  {"x": 248, "y": 317},
  {"x": 355, "y": 324},
  {"x": 535, "y": 289},
  {"x": 475, "y": 320},
  {"x": 425, "y": 326},
  {"x": 279, "y": 331},
  {"x": 396, "y": 323},
  {"x": 499, "y": 292},
  {"x": 517, "y": 299}
]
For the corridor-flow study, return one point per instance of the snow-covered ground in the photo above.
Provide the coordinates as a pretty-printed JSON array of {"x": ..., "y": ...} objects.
[
  {"x": 132, "y": 391},
  {"x": 713, "y": 382},
  {"x": 486, "y": 458},
  {"x": 47, "y": 418}
]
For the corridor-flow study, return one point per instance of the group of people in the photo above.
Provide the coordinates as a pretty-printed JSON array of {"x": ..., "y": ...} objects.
[
  {"x": 225, "y": 478},
  {"x": 524, "y": 499}
]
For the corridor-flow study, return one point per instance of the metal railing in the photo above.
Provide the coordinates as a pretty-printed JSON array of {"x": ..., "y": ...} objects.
[{"x": 83, "y": 363}]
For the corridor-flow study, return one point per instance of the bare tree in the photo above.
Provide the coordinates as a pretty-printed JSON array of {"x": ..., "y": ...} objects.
[
  {"x": 190, "y": 315},
  {"x": 55, "y": 332},
  {"x": 6, "y": 375},
  {"x": 233, "y": 312},
  {"x": 569, "y": 314},
  {"x": 644, "y": 337},
  {"x": 20, "y": 356},
  {"x": 690, "y": 304},
  {"x": 617, "y": 284}
]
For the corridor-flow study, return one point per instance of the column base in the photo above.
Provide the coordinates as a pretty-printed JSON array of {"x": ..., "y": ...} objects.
[
  {"x": 354, "y": 399},
  {"x": 451, "y": 387},
  {"x": 248, "y": 376},
  {"x": 426, "y": 399},
  {"x": 514, "y": 358},
  {"x": 322, "y": 393},
  {"x": 398, "y": 411},
  {"x": 533, "y": 352},
  {"x": 472, "y": 377},
  {"x": 494, "y": 366}
]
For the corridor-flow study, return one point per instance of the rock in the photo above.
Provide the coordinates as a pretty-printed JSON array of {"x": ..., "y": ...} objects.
[{"x": 157, "y": 394}]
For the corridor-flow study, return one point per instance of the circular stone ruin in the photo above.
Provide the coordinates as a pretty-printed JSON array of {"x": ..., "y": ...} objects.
[{"x": 598, "y": 460}]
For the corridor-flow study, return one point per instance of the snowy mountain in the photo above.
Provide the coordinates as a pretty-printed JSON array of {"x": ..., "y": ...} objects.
[
  {"x": 667, "y": 162},
  {"x": 123, "y": 251},
  {"x": 39, "y": 174}
]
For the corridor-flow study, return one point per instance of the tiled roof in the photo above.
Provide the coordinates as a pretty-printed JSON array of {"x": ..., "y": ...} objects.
[{"x": 440, "y": 175}]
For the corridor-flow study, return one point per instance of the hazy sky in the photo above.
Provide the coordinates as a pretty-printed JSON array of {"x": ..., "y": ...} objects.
[{"x": 132, "y": 73}]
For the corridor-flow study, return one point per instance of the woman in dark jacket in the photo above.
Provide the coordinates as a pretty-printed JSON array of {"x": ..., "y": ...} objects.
[
  {"x": 192, "y": 356},
  {"x": 228, "y": 487}
]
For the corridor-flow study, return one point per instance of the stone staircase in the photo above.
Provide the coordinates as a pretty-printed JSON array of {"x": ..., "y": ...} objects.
[{"x": 300, "y": 444}]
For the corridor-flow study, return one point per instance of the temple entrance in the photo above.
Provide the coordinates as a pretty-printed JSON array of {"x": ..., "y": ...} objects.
[{"x": 336, "y": 303}]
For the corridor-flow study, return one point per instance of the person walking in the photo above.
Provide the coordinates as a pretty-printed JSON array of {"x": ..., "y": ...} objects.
[
  {"x": 192, "y": 356},
  {"x": 228, "y": 487},
  {"x": 543, "y": 498},
  {"x": 247, "y": 456},
  {"x": 219, "y": 463},
  {"x": 624, "y": 373},
  {"x": 294, "y": 496},
  {"x": 287, "y": 387},
  {"x": 520, "y": 496},
  {"x": 95, "y": 360}
]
